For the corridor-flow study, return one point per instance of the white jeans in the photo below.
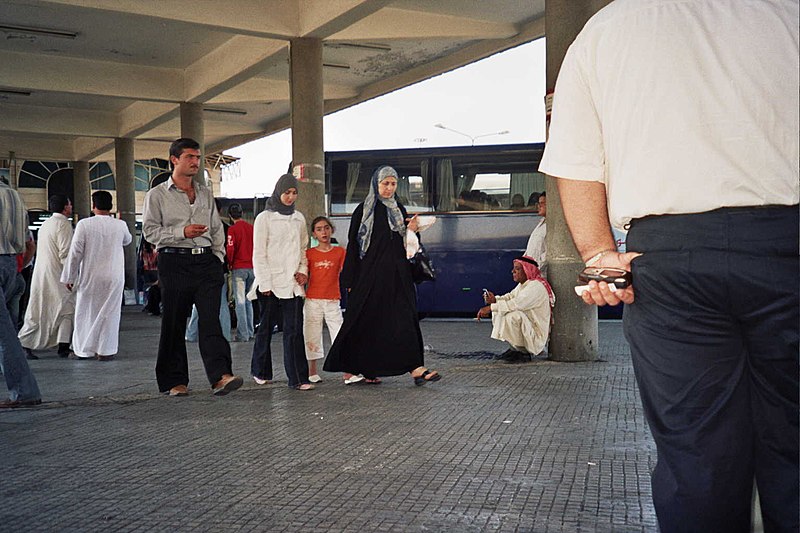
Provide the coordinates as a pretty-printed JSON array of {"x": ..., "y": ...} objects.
[{"x": 314, "y": 312}]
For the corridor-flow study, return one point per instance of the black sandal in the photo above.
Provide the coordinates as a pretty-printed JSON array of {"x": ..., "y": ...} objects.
[{"x": 423, "y": 378}]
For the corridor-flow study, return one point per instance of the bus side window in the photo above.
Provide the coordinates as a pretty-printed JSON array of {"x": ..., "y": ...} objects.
[{"x": 412, "y": 194}]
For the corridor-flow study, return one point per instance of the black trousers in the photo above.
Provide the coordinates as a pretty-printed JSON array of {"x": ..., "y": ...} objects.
[
  {"x": 714, "y": 338},
  {"x": 290, "y": 310},
  {"x": 187, "y": 280}
]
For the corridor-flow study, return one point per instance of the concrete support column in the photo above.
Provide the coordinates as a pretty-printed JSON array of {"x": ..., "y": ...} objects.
[
  {"x": 192, "y": 126},
  {"x": 82, "y": 203},
  {"x": 126, "y": 202},
  {"x": 308, "y": 158},
  {"x": 574, "y": 335}
]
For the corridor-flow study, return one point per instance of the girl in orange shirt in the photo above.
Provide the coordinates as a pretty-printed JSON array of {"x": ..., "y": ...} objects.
[{"x": 325, "y": 262}]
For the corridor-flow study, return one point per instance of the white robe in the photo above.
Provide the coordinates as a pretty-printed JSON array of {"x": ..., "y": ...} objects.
[
  {"x": 48, "y": 319},
  {"x": 537, "y": 248},
  {"x": 522, "y": 317},
  {"x": 96, "y": 268}
]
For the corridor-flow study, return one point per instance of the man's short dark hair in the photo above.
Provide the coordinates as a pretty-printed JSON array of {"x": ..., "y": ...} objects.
[
  {"x": 235, "y": 210},
  {"x": 179, "y": 145},
  {"x": 102, "y": 200},
  {"x": 57, "y": 202}
]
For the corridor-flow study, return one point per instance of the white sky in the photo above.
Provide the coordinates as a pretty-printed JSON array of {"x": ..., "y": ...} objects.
[{"x": 502, "y": 92}]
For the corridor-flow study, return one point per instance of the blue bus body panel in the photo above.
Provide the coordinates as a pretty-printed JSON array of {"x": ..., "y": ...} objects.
[{"x": 470, "y": 252}]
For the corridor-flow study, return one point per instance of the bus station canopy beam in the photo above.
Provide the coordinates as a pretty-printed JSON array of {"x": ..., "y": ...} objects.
[{"x": 77, "y": 74}]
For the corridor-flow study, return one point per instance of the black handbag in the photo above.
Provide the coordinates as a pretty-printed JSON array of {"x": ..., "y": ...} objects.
[{"x": 422, "y": 267}]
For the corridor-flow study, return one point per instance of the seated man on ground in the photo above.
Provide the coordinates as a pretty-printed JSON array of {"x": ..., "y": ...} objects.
[{"x": 521, "y": 317}]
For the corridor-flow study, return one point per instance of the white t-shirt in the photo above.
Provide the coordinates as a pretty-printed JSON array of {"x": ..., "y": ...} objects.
[{"x": 681, "y": 106}]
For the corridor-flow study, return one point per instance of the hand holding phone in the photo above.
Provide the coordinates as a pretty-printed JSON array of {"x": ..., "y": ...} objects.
[
  {"x": 619, "y": 277},
  {"x": 488, "y": 296},
  {"x": 615, "y": 273}
]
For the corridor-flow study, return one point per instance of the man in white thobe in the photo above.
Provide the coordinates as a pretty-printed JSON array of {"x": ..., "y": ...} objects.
[
  {"x": 95, "y": 270},
  {"x": 537, "y": 249},
  {"x": 522, "y": 316},
  {"x": 51, "y": 307}
]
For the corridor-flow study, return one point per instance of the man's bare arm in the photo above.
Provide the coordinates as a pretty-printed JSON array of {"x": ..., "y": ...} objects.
[
  {"x": 29, "y": 252},
  {"x": 584, "y": 204},
  {"x": 586, "y": 213}
]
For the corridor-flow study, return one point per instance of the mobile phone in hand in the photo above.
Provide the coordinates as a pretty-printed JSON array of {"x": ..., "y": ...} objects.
[{"x": 616, "y": 276}]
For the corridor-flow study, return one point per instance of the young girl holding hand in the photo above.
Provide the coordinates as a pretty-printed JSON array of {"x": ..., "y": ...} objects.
[{"x": 325, "y": 262}]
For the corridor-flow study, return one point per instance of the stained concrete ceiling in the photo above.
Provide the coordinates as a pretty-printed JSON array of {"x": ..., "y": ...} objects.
[{"x": 122, "y": 67}]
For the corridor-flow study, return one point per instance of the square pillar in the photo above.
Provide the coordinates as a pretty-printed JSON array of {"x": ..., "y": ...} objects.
[
  {"x": 308, "y": 158},
  {"x": 193, "y": 127},
  {"x": 574, "y": 335},
  {"x": 126, "y": 202},
  {"x": 82, "y": 189}
]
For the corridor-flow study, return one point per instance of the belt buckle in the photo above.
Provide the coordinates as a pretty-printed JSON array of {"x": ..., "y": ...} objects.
[{"x": 197, "y": 251}]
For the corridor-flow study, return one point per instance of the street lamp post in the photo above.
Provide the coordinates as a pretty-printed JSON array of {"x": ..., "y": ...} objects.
[{"x": 470, "y": 137}]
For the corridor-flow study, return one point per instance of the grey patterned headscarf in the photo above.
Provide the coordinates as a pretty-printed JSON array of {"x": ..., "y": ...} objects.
[
  {"x": 285, "y": 182},
  {"x": 396, "y": 222}
]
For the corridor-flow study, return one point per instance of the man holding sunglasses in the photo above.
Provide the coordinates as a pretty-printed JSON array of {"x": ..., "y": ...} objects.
[{"x": 688, "y": 137}]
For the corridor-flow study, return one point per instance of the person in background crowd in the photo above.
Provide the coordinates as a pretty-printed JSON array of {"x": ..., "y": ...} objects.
[
  {"x": 15, "y": 297},
  {"x": 517, "y": 202},
  {"x": 95, "y": 270},
  {"x": 181, "y": 219},
  {"x": 224, "y": 302},
  {"x": 521, "y": 317},
  {"x": 51, "y": 308},
  {"x": 678, "y": 120},
  {"x": 537, "y": 247},
  {"x": 148, "y": 259},
  {"x": 280, "y": 239},
  {"x": 23, "y": 391},
  {"x": 239, "y": 252},
  {"x": 533, "y": 201}
]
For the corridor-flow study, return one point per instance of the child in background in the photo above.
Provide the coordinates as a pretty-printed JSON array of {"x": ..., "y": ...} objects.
[{"x": 325, "y": 262}]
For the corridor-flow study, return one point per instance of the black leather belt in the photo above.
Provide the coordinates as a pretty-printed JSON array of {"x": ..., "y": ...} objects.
[{"x": 199, "y": 250}]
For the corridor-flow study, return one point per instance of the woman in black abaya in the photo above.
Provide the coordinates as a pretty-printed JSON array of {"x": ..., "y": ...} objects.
[{"x": 380, "y": 335}]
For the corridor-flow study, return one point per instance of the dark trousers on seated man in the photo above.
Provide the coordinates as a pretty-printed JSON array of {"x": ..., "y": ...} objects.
[
  {"x": 187, "y": 279},
  {"x": 714, "y": 339}
]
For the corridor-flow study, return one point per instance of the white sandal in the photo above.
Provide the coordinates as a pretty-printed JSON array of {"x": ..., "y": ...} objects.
[{"x": 353, "y": 379}]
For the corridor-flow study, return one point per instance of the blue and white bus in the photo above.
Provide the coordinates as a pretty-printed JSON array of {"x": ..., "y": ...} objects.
[{"x": 484, "y": 200}]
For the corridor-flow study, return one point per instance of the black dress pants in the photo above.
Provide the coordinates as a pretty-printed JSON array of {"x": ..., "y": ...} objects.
[
  {"x": 714, "y": 339},
  {"x": 290, "y": 311},
  {"x": 187, "y": 280}
]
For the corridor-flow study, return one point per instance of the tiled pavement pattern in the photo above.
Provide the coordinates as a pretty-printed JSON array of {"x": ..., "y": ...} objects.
[{"x": 538, "y": 447}]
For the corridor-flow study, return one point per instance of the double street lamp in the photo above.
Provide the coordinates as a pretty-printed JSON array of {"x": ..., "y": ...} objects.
[{"x": 470, "y": 137}]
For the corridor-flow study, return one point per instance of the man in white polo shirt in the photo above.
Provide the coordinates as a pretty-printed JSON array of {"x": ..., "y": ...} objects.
[{"x": 679, "y": 121}]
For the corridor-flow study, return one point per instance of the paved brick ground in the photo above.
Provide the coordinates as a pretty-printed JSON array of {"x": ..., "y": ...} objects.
[{"x": 539, "y": 447}]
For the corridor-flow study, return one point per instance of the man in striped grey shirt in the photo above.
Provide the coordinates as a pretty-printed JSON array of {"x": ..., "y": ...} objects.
[
  {"x": 180, "y": 218},
  {"x": 23, "y": 391}
]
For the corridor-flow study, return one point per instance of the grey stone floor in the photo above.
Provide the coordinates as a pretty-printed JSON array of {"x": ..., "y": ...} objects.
[{"x": 538, "y": 447}]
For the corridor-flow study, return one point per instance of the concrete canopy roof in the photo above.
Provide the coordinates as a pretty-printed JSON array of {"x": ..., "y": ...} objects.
[{"x": 122, "y": 67}]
